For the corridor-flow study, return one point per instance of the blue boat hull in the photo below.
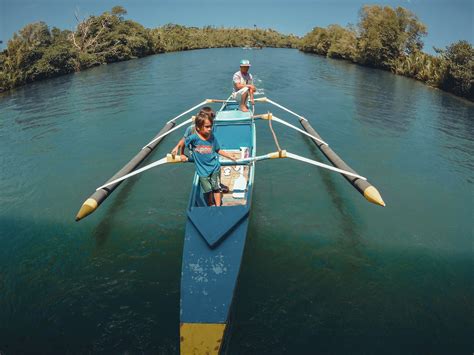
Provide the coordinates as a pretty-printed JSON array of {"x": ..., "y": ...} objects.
[{"x": 213, "y": 248}]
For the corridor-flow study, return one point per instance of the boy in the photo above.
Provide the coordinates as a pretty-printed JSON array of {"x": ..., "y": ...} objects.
[
  {"x": 179, "y": 148},
  {"x": 205, "y": 153}
]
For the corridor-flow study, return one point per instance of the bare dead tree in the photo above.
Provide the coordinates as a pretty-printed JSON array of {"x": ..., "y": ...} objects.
[{"x": 82, "y": 38}]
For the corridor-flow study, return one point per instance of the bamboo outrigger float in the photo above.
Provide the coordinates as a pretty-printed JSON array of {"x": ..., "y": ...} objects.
[{"x": 215, "y": 236}]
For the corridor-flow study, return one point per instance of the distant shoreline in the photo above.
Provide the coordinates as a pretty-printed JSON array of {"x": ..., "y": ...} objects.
[{"x": 37, "y": 52}]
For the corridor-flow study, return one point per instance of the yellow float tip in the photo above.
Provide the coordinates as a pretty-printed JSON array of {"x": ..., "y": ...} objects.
[
  {"x": 201, "y": 338},
  {"x": 87, "y": 208},
  {"x": 373, "y": 195}
]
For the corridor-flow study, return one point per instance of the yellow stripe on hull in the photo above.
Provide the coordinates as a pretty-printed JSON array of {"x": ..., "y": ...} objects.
[{"x": 201, "y": 338}]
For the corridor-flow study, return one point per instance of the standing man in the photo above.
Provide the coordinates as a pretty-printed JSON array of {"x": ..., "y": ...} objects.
[{"x": 243, "y": 85}]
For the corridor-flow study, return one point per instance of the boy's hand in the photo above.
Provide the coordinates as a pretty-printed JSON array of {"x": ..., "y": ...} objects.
[
  {"x": 184, "y": 158},
  {"x": 174, "y": 151}
]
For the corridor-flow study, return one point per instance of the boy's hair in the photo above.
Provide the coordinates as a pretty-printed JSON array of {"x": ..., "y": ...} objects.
[
  {"x": 201, "y": 119},
  {"x": 208, "y": 111}
]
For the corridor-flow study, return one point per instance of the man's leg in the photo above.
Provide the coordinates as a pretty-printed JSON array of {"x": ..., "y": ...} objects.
[{"x": 243, "y": 102}]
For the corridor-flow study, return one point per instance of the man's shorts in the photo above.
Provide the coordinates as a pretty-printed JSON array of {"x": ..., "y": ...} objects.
[
  {"x": 211, "y": 182},
  {"x": 237, "y": 96}
]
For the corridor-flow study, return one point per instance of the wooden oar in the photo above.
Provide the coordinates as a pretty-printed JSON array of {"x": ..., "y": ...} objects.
[{"x": 168, "y": 159}]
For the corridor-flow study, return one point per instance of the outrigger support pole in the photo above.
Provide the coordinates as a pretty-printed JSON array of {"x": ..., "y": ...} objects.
[
  {"x": 96, "y": 199},
  {"x": 364, "y": 187}
]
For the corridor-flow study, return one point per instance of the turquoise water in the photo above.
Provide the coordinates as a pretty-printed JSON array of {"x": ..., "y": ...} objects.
[{"x": 324, "y": 271}]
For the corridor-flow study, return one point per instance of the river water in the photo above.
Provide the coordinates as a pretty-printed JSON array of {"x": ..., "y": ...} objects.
[{"x": 324, "y": 271}]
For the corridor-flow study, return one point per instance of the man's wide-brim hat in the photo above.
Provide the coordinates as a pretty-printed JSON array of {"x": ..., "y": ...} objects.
[{"x": 245, "y": 63}]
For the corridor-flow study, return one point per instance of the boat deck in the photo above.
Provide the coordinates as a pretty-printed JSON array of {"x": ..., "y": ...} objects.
[{"x": 229, "y": 177}]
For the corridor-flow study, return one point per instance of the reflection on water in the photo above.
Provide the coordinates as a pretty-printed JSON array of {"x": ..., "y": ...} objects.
[
  {"x": 454, "y": 120},
  {"x": 384, "y": 101},
  {"x": 324, "y": 271}
]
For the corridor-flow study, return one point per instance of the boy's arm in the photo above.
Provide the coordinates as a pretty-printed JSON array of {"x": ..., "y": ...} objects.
[
  {"x": 226, "y": 155},
  {"x": 179, "y": 146}
]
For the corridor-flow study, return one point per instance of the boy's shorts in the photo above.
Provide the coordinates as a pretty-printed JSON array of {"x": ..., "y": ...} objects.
[{"x": 211, "y": 182}]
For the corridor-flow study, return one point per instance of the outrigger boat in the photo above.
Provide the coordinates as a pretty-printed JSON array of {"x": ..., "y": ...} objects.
[{"x": 215, "y": 236}]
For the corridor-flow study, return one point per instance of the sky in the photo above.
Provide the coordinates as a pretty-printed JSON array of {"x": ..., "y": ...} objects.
[{"x": 448, "y": 20}]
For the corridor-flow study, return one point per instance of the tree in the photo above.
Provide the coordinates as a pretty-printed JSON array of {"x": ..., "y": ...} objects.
[
  {"x": 459, "y": 77},
  {"x": 343, "y": 43},
  {"x": 385, "y": 34},
  {"x": 119, "y": 12},
  {"x": 316, "y": 41}
]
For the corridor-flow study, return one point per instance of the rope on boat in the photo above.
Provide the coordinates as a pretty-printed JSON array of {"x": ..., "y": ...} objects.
[
  {"x": 171, "y": 130},
  {"x": 191, "y": 109},
  {"x": 273, "y": 132}
]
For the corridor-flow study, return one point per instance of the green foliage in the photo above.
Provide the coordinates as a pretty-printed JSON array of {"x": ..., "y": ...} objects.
[
  {"x": 385, "y": 34},
  {"x": 119, "y": 12},
  {"x": 36, "y": 53},
  {"x": 317, "y": 41},
  {"x": 334, "y": 41},
  {"x": 342, "y": 43},
  {"x": 173, "y": 37},
  {"x": 56, "y": 60},
  {"x": 384, "y": 38},
  {"x": 459, "y": 76},
  {"x": 421, "y": 66},
  {"x": 391, "y": 39}
]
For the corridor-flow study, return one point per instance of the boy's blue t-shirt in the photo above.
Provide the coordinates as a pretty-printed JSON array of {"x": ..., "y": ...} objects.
[
  {"x": 190, "y": 130},
  {"x": 204, "y": 154}
]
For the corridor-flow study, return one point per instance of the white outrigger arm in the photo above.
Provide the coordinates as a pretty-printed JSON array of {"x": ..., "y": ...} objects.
[
  {"x": 285, "y": 154},
  {"x": 266, "y": 99},
  {"x": 269, "y": 116},
  {"x": 171, "y": 130},
  {"x": 274, "y": 155},
  {"x": 166, "y": 160},
  {"x": 362, "y": 185}
]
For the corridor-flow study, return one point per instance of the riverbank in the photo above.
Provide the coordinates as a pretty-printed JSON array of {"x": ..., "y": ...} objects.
[
  {"x": 391, "y": 39},
  {"x": 385, "y": 38}
]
